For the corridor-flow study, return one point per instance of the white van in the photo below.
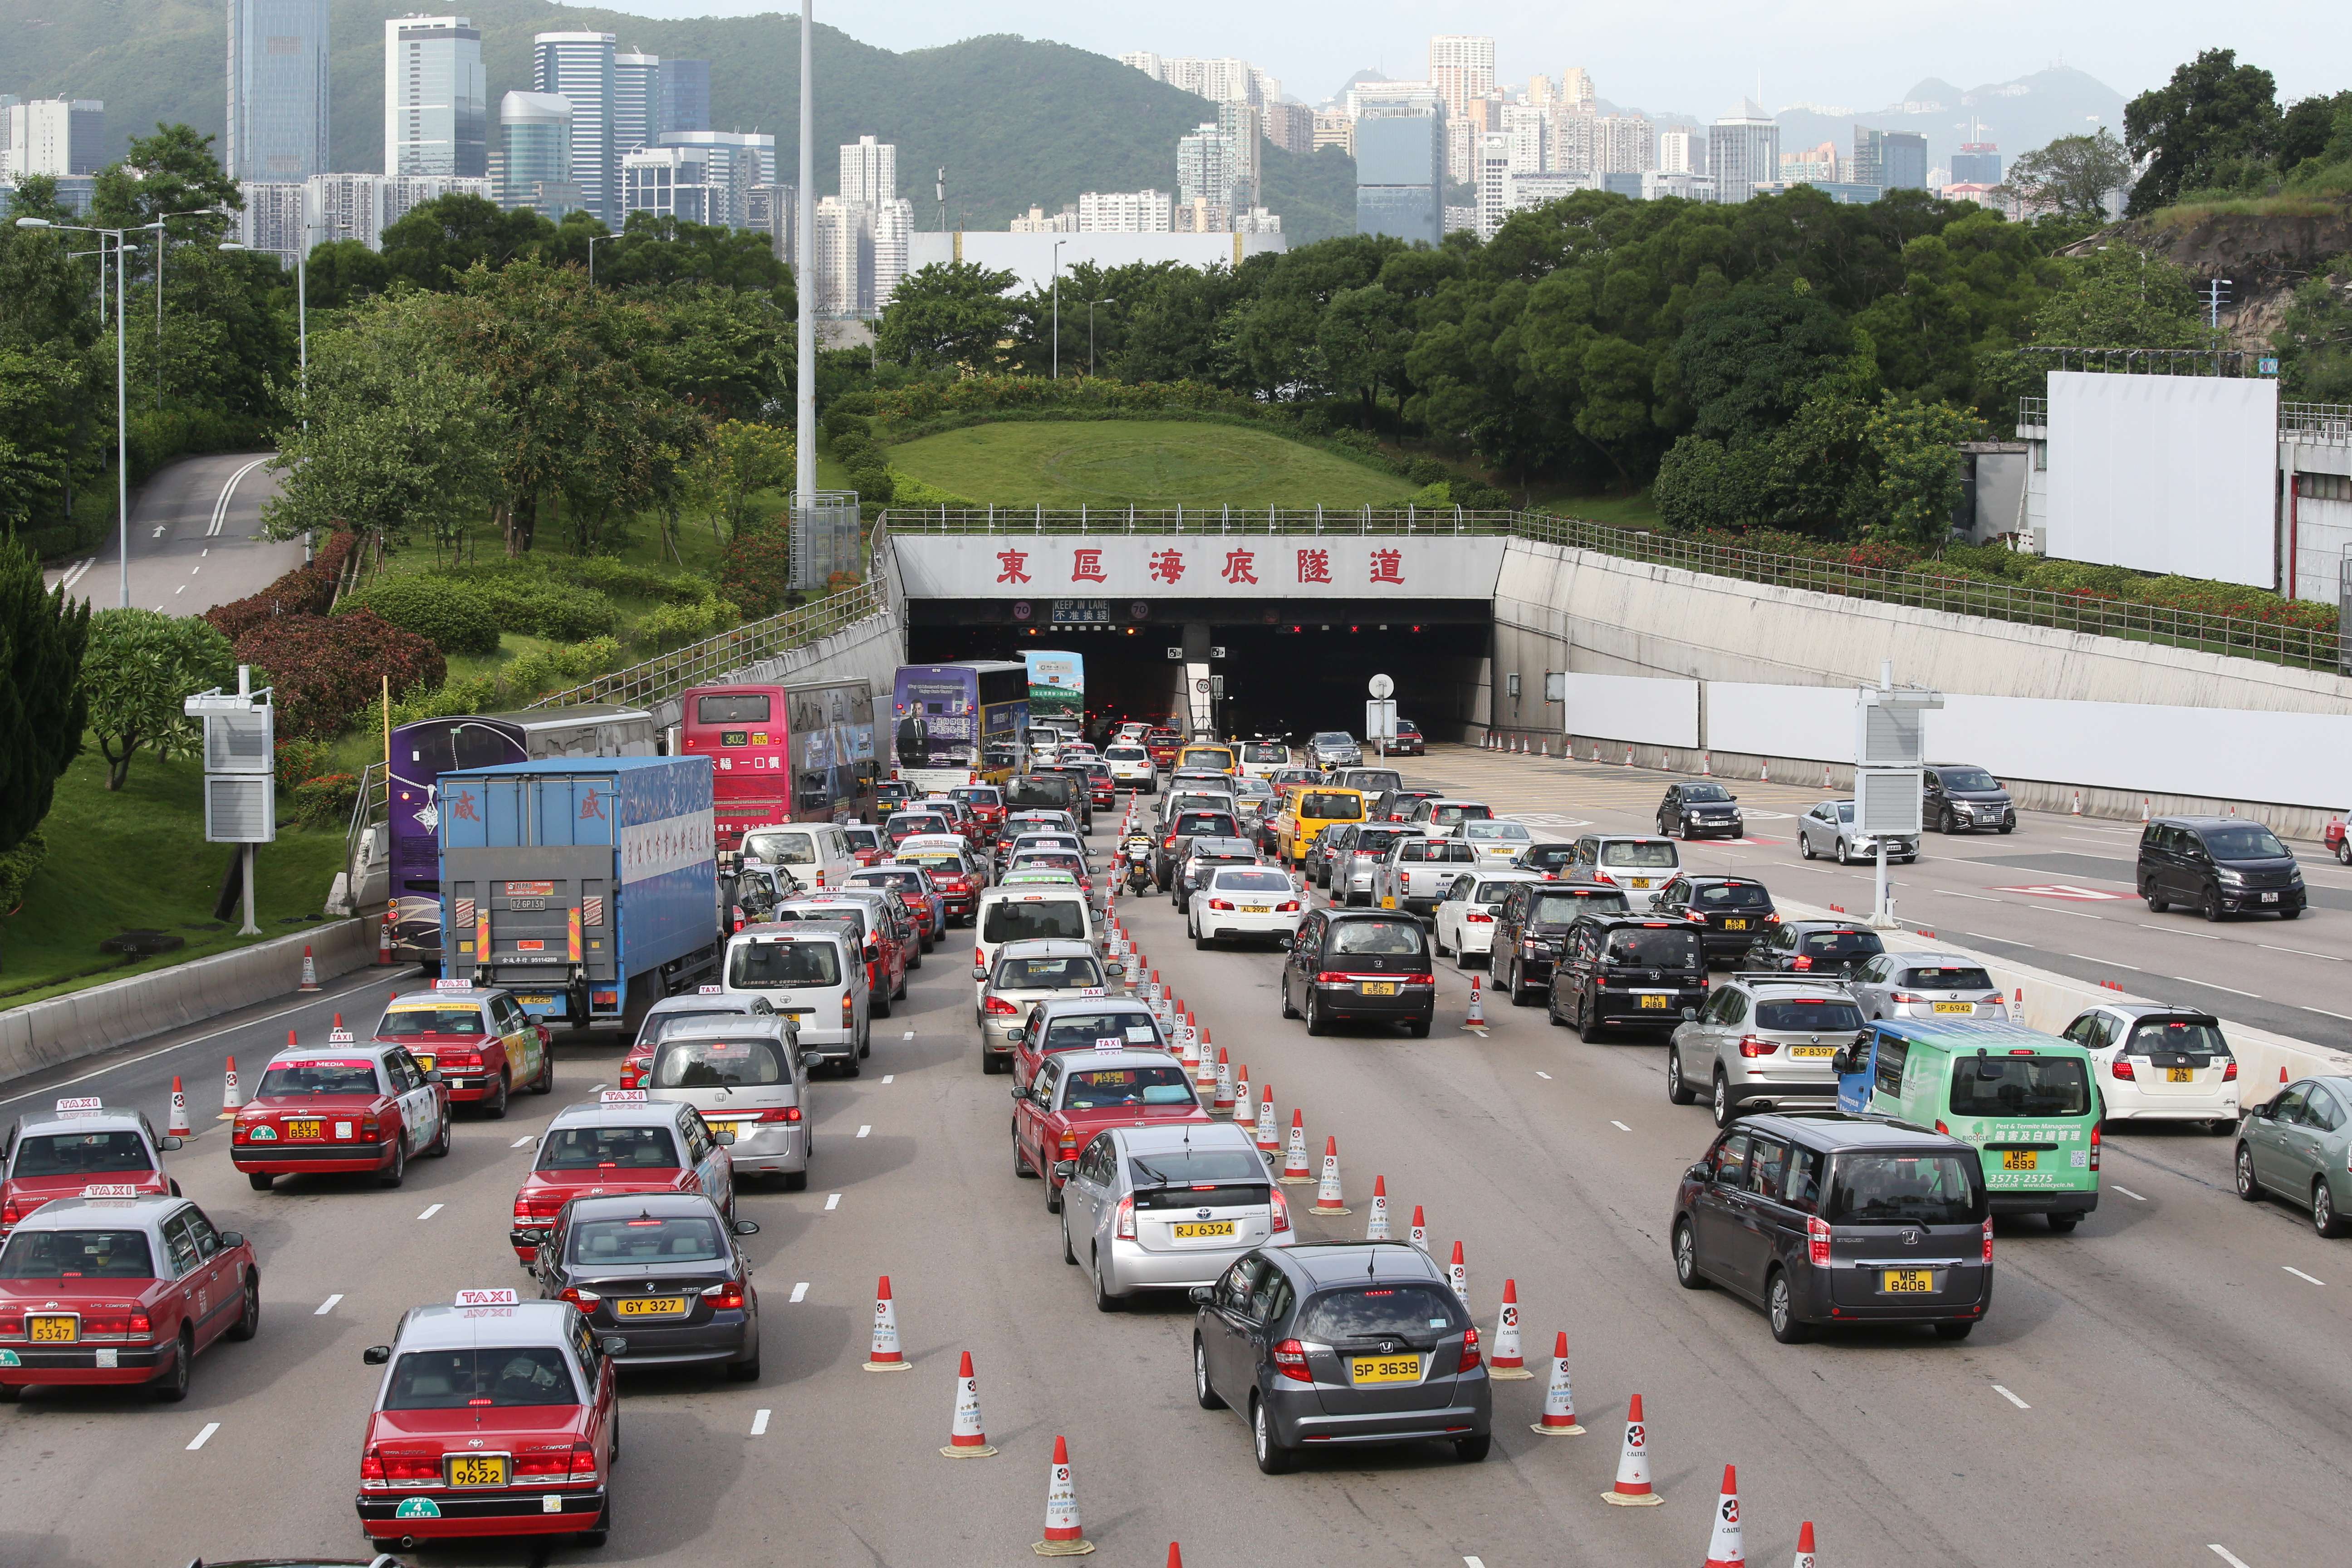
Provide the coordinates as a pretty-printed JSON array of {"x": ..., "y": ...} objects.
[
  {"x": 815, "y": 854},
  {"x": 1028, "y": 913},
  {"x": 813, "y": 975}
]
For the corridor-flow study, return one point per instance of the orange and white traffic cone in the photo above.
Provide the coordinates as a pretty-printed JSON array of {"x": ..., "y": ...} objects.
[
  {"x": 1328, "y": 1198},
  {"x": 2077, "y": 808},
  {"x": 1188, "y": 1051},
  {"x": 1418, "y": 1234},
  {"x": 338, "y": 1035},
  {"x": 1506, "y": 1363},
  {"x": 1175, "y": 1558},
  {"x": 966, "y": 1439},
  {"x": 1560, "y": 1403},
  {"x": 1478, "y": 1018},
  {"x": 1295, "y": 1173},
  {"x": 1457, "y": 1274},
  {"x": 232, "y": 1100},
  {"x": 384, "y": 942},
  {"x": 1764, "y": 774},
  {"x": 886, "y": 1355},
  {"x": 1269, "y": 1136},
  {"x": 177, "y": 1127},
  {"x": 1243, "y": 1109},
  {"x": 1223, "y": 1103},
  {"x": 1631, "y": 1488},
  {"x": 1805, "y": 1545},
  {"x": 310, "y": 970},
  {"x": 1706, "y": 766},
  {"x": 1724, "y": 1548},
  {"x": 1062, "y": 1536},
  {"x": 1377, "y": 1228},
  {"x": 1204, "y": 1077}
]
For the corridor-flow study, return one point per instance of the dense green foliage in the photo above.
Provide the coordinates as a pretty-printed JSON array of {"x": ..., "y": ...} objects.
[
  {"x": 453, "y": 617},
  {"x": 2217, "y": 131},
  {"x": 137, "y": 669},
  {"x": 42, "y": 708}
]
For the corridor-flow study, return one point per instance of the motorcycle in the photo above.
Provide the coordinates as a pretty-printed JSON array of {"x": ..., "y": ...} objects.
[{"x": 1135, "y": 855}]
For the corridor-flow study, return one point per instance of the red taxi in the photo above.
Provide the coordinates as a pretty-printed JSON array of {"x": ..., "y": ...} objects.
[
  {"x": 1079, "y": 1093},
  {"x": 913, "y": 886},
  {"x": 482, "y": 1043},
  {"x": 495, "y": 1417},
  {"x": 109, "y": 1289},
  {"x": 1101, "y": 788},
  {"x": 622, "y": 1142},
  {"x": 986, "y": 803},
  {"x": 884, "y": 943},
  {"x": 1163, "y": 745},
  {"x": 865, "y": 842},
  {"x": 81, "y": 1144},
  {"x": 1079, "y": 1023},
  {"x": 341, "y": 1108}
]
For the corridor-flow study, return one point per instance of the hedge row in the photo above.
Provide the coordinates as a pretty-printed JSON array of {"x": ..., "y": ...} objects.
[
  {"x": 326, "y": 668},
  {"x": 305, "y": 591}
]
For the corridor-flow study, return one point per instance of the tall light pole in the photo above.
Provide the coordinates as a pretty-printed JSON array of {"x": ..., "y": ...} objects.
[
  {"x": 301, "y": 334},
  {"x": 804, "y": 289},
  {"x": 1057, "y": 307},
  {"x": 162, "y": 243},
  {"x": 593, "y": 241},
  {"x": 1106, "y": 300}
]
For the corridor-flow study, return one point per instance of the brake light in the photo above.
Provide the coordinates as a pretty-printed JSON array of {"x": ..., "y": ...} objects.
[
  {"x": 1281, "y": 1207},
  {"x": 780, "y": 1113},
  {"x": 2094, "y": 1145},
  {"x": 1987, "y": 1239},
  {"x": 1941, "y": 1128},
  {"x": 724, "y": 1297},
  {"x": 1470, "y": 1350},
  {"x": 1904, "y": 998},
  {"x": 1750, "y": 1046},
  {"x": 1800, "y": 962},
  {"x": 1290, "y": 1361},
  {"x": 1068, "y": 1143},
  {"x": 1220, "y": 904},
  {"x": 370, "y": 1129},
  {"x": 1817, "y": 1241},
  {"x": 1289, "y": 907},
  {"x": 2230, "y": 1070},
  {"x": 849, "y": 1011},
  {"x": 629, "y": 1075},
  {"x": 999, "y": 1007},
  {"x": 1476, "y": 918},
  {"x": 1125, "y": 1228},
  {"x": 1333, "y": 977},
  {"x": 585, "y": 1301},
  {"x": 371, "y": 1469},
  {"x": 2121, "y": 1068},
  {"x": 13, "y": 1211},
  {"x": 1695, "y": 917}
]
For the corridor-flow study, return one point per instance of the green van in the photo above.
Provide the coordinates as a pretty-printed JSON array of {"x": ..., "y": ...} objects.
[{"x": 2028, "y": 1101}]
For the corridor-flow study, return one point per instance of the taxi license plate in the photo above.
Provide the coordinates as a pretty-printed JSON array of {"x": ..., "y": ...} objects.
[
  {"x": 1364, "y": 1369},
  {"x": 2181, "y": 1075},
  {"x": 477, "y": 1469},
  {"x": 1378, "y": 987},
  {"x": 1194, "y": 1230},
  {"x": 306, "y": 1128},
  {"x": 1735, "y": 925},
  {"x": 1956, "y": 1007},
  {"x": 1813, "y": 1050},
  {"x": 57, "y": 1330},
  {"x": 425, "y": 1060},
  {"x": 1908, "y": 1281},
  {"x": 1655, "y": 1004},
  {"x": 649, "y": 1307},
  {"x": 2019, "y": 1159}
]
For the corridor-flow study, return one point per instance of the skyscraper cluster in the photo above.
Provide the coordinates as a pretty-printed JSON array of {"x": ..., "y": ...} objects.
[{"x": 860, "y": 244}]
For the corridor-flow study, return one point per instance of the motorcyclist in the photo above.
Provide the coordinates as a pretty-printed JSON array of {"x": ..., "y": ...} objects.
[{"x": 1135, "y": 854}]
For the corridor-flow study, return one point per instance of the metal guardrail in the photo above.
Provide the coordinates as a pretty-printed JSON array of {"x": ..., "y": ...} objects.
[
  {"x": 2034, "y": 411},
  {"x": 666, "y": 675},
  {"x": 2318, "y": 423},
  {"x": 1412, "y": 521}
]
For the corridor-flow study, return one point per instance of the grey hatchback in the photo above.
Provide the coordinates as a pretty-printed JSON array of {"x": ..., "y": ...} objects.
[{"x": 1341, "y": 1343}]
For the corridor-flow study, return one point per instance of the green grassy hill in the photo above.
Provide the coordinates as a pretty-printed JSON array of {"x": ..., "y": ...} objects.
[
  {"x": 1014, "y": 121},
  {"x": 1145, "y": 462}
]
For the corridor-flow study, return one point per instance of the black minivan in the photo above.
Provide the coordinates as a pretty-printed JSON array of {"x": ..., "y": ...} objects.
[
  {"x": 1368, "y": 965},
  {"x": 1629, "y": 969},
  {"x": 1960, "y": 797},
  {"x": 2218, "y": 865}
]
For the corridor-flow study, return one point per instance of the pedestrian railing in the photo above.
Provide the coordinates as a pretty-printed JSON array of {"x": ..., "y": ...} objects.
[
  {"x": 698, "y": 663},
  {"x": 1411, "y": 521}
]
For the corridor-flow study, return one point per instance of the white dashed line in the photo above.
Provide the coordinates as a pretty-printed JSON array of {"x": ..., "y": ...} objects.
[
  {"x": 203, "y": 1437},
  {"x": 2208, "y": 985},
  {"x": 2299, "y": 1274},
  {"x": 832, "y": 1203},
  {"x": 2226, "y": 1555},
  {"x": 799, "y": 1291},
  {"x": 760, "y": 1423},
  {"x": 1472, "y": 1562},
  {"x": 430, "y": 1210},
  {"x": 2010, "y": 1397},
  {"x": 888, "y": 1076},
  {"x": 864, "y": 1130},
  {"x": 328, "y": 1305},
  {"x": 521, "y": 1142},
  {"x": 181, "y": 589},
  {"x": 908, "y": 1035},
  {"x": 2129, "y": 1194},
  {"x": 1978, "y": 897},
  {"x": 1545, "y": 1075},
  {"x": 2308, "y": 1008},
  {"x": 1621, "y": 1127},
  {"x": 595, "y": 1089},
  {"x": 2299, "y": 952}
]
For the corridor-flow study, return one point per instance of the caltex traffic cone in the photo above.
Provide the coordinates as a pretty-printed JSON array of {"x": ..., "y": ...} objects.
[
  {"x": 310, "y": 970},
  {"x": 1506, "y": 1363},
  {"x": 1418, "y": 1234},
  {"x": 383, "y": 942},
  {"x": 1223, "y": 1104},
  {"x": 1295, "y": 1173},
  {"x": 1478, "y": 1018},
  {"x": 178, "y": 1126},
  {"x": 1062, "y": 1536},
  {"x": 886, "y": 1356},
  {"x": 1188, "y": 1052},
  {"x": 1457, "y": 1274},
  {"x": 966, "y": 1440},
  {"x": 1560, "y": 1403},
  {"x": 1327, "y": 1199},
  {"x": 1269, "y": 1135},
  {"x": 1244, "y": 1108},
  {"x": 232, "y": 1100},
  {"x": 1204, "y": 1077},
  {"x": 1377, "y": 1228},
  {"x": 1633, "y": 1486},
  {"x": 1723, "y": 1547},
  {"x": 1805, "y": 1545}
]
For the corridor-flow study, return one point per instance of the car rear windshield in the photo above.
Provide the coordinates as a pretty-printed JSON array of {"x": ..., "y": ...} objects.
[
  {"x": 1731, "y": 896},
  {"x": 670, "y": 1238},
  {"x": 1453, "y": 815},
  {"x": 405, "y": 1023},
  {"x": 863, "y": 838},
  {"x": 1071, "y": 1031},
  {"x": 80, "y": 1153},
  {"x": 1380, "y": 1311},
  {"x": 2200, "y": 1037},
  {"x": 2020, "y": 1086},
  {"x": 1048, "y": 860},
  {"x": 318, "y": 1077},
  {"x": 1376, "y": 937},
  {"x": 2249, "y": 842},
  {"x": 1694, "y": 795},
  {"x": 1488, "y": 832},
  {"x": 660, "y": 1026},
  {"x": 1839, "y": 943},
  {"x": 786, "y": 848},
  {"x": 1379, "y": 838},
  {"x": 1948, "y": 977},
  {"x": 455, "y": 1380},
  {"x": 1924, "y": 1189},
  {"x": 1104, "y": 1088},
  {"x": 1125, "y": 754},
  {"x": 1251, "y": 879},
  {"x": 1559, "y": 909},
  {"x": 978, "y": 795},
  {"x": 1644, "y": 947},
  {"x": 1326, "y": 807},
  {"x": 1047, "y": 974},
  {"x": 1024, "y": 918},
  {"x": 1651, "y": 853},
  {"x": 719, "y": 1064},
  {"x": 785, "y": 965},
  {"x": 1198, "y": 1178},
  {"x": 903, "y": 827},
  {"x": 1810, "y": 1015},
  {"x": 1438, "y": 852},
  {"x": 935, "y": 860},
  {"x": 1207, "y": 824},
  {"x": 621, "y": 1148},
  {"x": 1548, "y": 857},
  {"x": 1265, "y": 754},
  {"x": 904, "y": 881},
  {"x": 1371, "y": 781},
  {"x": 77, "y": 1255}
]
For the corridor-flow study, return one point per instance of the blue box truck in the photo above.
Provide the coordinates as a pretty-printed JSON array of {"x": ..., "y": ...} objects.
[{"x": 587, "y": 886}]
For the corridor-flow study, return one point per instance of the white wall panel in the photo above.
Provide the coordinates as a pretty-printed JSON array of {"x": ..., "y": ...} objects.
[
  {"x": 2165, "y": 473},
  {"x": 1781, "y": 720},
  {"x": 2292, "y": 759},
  {"x": 1634, "y": 708}
]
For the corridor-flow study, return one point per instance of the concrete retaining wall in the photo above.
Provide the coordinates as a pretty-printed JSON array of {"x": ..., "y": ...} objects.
[
  {"x": 871, "y": 649},
  {"x": 66, "y": 1028}
]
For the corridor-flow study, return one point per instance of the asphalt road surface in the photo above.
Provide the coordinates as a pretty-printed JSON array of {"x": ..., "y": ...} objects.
[
  {"x": 2168, "y": 1378},
  {"x": 195, "y": 539}
]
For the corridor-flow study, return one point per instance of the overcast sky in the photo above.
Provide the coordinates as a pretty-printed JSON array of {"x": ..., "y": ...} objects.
[{"x": 1697, "y": 55}]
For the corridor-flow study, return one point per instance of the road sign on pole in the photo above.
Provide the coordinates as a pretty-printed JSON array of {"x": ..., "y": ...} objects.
[{"x": 1381, "y": 686}]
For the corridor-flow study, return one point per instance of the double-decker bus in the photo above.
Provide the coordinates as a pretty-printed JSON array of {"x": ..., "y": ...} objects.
[
  {"x": 959, "y": 724},
  {"x": 421, "y": 751},
  {"x": 782, "y": 753},
  {"x": 1058, "y": 687}
]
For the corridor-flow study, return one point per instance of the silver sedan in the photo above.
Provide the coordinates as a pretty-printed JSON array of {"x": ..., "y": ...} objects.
[
  {"x": 1831, "y": 829},
  {"x": 1926, "y": 985},
  {"x": 1167, "y": 1207}
]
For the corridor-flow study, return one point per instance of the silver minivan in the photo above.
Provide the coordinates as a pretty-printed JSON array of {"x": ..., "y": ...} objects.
[
  {"x": 746, "y": 1076},
  {"x": 812, "y": 973},
  {"x": 1023, "y": 973},
  {"x": 1167, "y": 1207}
]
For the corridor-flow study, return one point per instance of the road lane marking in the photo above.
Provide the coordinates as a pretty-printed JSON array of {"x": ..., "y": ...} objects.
[
  {"x": 204, "y": 1437},
  {"x": 2309, "y": 1008},
  {"x": 595, "y": 1089},
  {"x": 2129, "y": 1194},
  {"x": 328, "y": 1305},
  {"x": 799, "y": 1291},
  {"x": 2010, "y": 1397},
  {"x": 832, "y": 1203},
  {"x": 2226, "y": 1555},
  {"x": 430, "y": 1210},
  {"x": 2300, "y": 952},
  {"x": 1621, "y": 1127},
  {"x": 1980, "y": 897},
  {"x": 864, "y": 1130},
  {"x": 2208, "y": 985},
  {"x": 888, "y": 1076},
  {"x": 1472, "y": 1562},
  {"x": 908, "y": 1035},
  {"x": 2299, "y": 1274},
  {"x": 1545, "y": 1075},
  {"x": 181, "y": 589},
  {"x": 760, "y": 1423},
  {"x": 520, "y": 1141},
  {"x": 220, "y": 507}
]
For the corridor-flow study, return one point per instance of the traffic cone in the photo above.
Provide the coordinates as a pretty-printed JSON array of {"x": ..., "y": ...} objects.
[
  {"x": 1506, "y": 1363},
  {"x": 1457, "y": 1274},
  {"x": 1559, "y": 1405},
  {"x": 1295, "y": 1173},
  {"x": 232, "y": 1100},
  {"x": 1764, "y": 774},
  {"x": 1328, "y": 1198},
  {"x": 232, "y": 1077},
  {"x": 1062, "y": 1536},
  {"x": 338, "y": 1035},
  {"x": 886, "y": 1356},
  {"x": 966, "y": 1440},
  {"x": 2143, "y": 808},
  {"x": 1418, "y": 1234},
  {"x": 1269, "y": 1136},
  {"x": 1805, "y": 1545},
  {"x": 1244, "y": 1108},
  {"x": 2077, "y": 810},
  {"x": 1223, "y": 1104},
  {"x": 1706, "y": 766},
  {"x": 1176, "y": 1558},
  {"x": 1205, "y": 1078},
  {"x": 383, "y": 942},
  {"x": 1723, "y": 1546},
  {"x": 1377, "y": 1228},
  {"x": 1631, "y": 1488},
  {"x": 1478, "y": 1018},
  {"x": 1188, "y": 1053},
  {"x": 1629, "y": 756},
  {"x": 310, "y": 970},
  {"x": 178, "y": 1126}
]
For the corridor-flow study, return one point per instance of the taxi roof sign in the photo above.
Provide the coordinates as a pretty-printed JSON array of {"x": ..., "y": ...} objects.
[
  {"x": 80, "y": 1102},
  {"x": 486, "y": 1299},
  {"x": 110, "y": 1190},
  {"x": 454, "y": 985},
  {"x": 340, "y": 1036},
  {"x": 621, "y": 1097},
  {"x": 711, "y": 990}
]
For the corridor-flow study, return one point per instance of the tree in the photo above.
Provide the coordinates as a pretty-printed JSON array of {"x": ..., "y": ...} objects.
[
  {"x": 43, "y": 709},
  {"x": 948, "y": 314},
  {"x": 1746, "y": 364},
  {"x": 344, "y": 272},
  {"x": 138, "y": 667},
  {"x": 2201, "y": 128},
  {"x": 174, "y": 171},
  {"x": 2120, "y": 297},
  {"x": 1362, "y": 338},
  {"x": 1915, "y": 449},
  {"x": 2072, "y": 176},
  {"x": 741, "y": 459},
  {"x": 2314, "y": 341},
  {"x": 2315, "y": 130},
  {"x": 39, "y": 390},
  {"x": 435, "y": 242}
]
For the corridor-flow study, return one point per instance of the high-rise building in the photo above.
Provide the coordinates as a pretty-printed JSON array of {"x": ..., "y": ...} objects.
[
  {"x": 1743, "y": 151},
  {"x": 734, "y": 164},
  {"x": 1147, "y": 62},
  {"x": 637, "y": 103},
  {"x": 1400, "y": 167},
  {"x": 578, "y": 67},
  {"x": 1576, "y": 89},
  {"x": 56, "y": 136},
  {"x": 1493, "y": 170},
  {"x": 843, "y": 247},
  {"x": 346, "y": 206},
  {"x": 1527, "y": 129},
  {"x": 1682, "y": 183},
  {"x": 1891, "y": 160},
  {"x": 435, "y": 98},
  {"x": 1040, "y": 221},
  {"x": 8, "y": 100},
  {"x": 1224, "y": 81},
  {"x": 1627, "y": 144},
  {"x": 1201, "y": 215},
  {"x": 1124, "y": 212},
  {"x": 775, "y": 210},
  {"x": 1243, "y": 130},
  {"x": 1682, "y": 153},
  {"x": 1812, "y": 166},
  {"x": 685, "y": 102},
  {"x": 1460, "y": 67},
  {"x": 1336, "y": 129},
  {"x": 1291, "y": 126},
  {"x": 275, "y": 218},
  {"x": 1391, "y": 98},
  {"x": 1542, "y": 92},
  {"x": 536, "y": 140},
  {"x": 894, "y": 228},
  {"x": 1205, "y": 163},
  {"x": 869, "y": 171},
  {"x": 276, "y": 90},
  {"x": 667, "y": 182},
  {"x": 1976, "y": 164}
]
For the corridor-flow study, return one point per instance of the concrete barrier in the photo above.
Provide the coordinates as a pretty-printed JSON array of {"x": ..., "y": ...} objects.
[{"x": 84, "y": 1022}]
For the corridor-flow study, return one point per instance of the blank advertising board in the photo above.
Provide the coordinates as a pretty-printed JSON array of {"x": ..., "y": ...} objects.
[{"x": 2165, "y": 473}]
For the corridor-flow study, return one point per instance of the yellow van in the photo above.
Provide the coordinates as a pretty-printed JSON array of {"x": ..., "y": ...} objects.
[
  {"x": 1307, "y": 809},
  {"x": 1218, "y": 759}
]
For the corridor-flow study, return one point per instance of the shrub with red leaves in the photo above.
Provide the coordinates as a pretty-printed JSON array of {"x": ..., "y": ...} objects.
[
  {"x": 305, "y": 591},
  {"x": 758, "y": 567},
  {"x": 326, "y": 668}
]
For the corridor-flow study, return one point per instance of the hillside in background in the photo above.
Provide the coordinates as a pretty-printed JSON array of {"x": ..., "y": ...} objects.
[
  {"x": 1013, "y": 121},
  {"x": 2016, "y": 116}
]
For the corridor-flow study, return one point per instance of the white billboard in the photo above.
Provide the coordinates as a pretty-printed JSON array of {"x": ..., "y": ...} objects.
[
  {"x": 2165, "y": 473},
  {"x": 1638, "y": 708}
]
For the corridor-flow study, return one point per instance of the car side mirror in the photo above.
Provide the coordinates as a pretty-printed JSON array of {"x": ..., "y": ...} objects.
[
  {"x": 1697, "y": 1173},
  {"x": 722, "y": 1139},
  {"x": 1064, "y": 1169},
  {"x": 376, "y": 1355},
  {"x": 614, "y": 1345},
  {"x": 1690, "y": 1014},
  {"x": 232, "y": 1239},
  {"x": 433, "y": 1075},
  {"x": 747, "y": 1228},
  {"x": 1844, "y": 1062},
  {"x": 169, "y": 1144},
  {"x": 1202, "y": 1295},
  {"x": 1020, "y": 1094}
]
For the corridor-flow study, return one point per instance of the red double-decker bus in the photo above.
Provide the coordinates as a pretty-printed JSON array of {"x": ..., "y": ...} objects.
[{"x": 782, "y": 753}]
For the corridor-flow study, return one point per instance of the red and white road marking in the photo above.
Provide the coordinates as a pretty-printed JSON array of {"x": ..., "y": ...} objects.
[{"x": 2064, "y": 891}]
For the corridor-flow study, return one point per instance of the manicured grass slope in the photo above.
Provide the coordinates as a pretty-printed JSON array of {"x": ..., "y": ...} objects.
[{"x": 1121, "y": 462}]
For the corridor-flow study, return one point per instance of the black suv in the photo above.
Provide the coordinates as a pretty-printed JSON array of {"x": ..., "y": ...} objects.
[
  {"x": 1363, "y": 964},
  {"x": 1530, "y": 927},
  {"x": 2218, "y": 865},
  {"x": 1176, "y": 839},
  {"x": 1834, "y": 948},
  {"x": 1552, "y": 859},
  {"x": 1642, "y": 972},
  {"x": 1960, "y": 797},
  {"x": 1698, "y": 807},
  {"x": 1728, "y": 912},
  {"x": 1053, "y": 792}
]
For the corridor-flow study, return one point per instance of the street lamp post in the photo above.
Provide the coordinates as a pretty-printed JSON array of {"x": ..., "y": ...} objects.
[
  {"x": 593, "y": 241},
  {"x": 162, "y": 243},
  {"x": 1090, "y": 329},
  {"x": 1057, "y": 307},
  {"x": 301, "y": 334}
]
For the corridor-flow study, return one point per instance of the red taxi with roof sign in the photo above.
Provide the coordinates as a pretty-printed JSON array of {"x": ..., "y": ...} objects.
[
  {"x": 341, "y": 1108},
  {"x": 479, "y": 1040},
  {"x": 1076, "y": 1094},
  {"x": 109, "y": 1287},
  {"x": 81, "y": 1143},
  {"x": 624, "y": 1142},
  {"x": 496, "y": 1416}
]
